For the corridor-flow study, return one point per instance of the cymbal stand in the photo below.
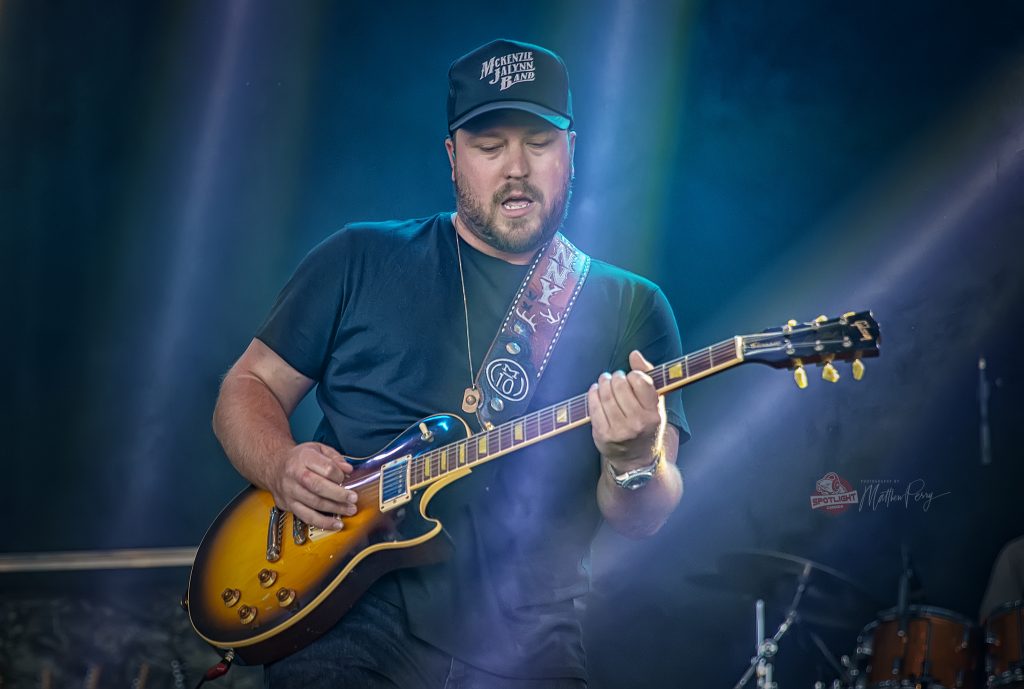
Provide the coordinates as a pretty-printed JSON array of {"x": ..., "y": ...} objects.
[
  {"x": 840, "y": 667},
  {"x": 761, "y": 664}
]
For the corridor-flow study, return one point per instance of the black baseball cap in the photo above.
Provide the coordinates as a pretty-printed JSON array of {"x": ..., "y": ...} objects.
[{"x": 509, "y": 74}]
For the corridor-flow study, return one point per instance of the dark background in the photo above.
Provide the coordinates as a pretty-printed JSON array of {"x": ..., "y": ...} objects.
[{"x": 164, "y": 166}]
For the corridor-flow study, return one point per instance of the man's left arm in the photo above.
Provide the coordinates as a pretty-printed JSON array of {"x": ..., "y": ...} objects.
[{"x": 630, "y": 432}]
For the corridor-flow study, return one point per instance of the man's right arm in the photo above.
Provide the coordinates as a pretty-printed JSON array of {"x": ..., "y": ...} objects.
[{"x": 250, "y": 420}]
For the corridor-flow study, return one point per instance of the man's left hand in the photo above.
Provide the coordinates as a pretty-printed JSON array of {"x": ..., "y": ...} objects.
[{"x": 627, "y": 415}]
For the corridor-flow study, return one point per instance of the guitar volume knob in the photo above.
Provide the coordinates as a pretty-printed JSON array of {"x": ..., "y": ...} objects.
[
  {"x": 285, "y": 597},
  {"x": 267, "y": 578},
  {"x": 230, "y": 597},
  {"x": 247, "y": 613}
]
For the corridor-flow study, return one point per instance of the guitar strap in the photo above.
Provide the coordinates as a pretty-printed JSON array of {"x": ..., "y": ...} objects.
[{"x": 520, "y": 352}]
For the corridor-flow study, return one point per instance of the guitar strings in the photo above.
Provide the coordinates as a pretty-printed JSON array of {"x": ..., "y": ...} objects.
[
  {"x": 427, "y": 466},
  {"x": 501, "y": 438}
]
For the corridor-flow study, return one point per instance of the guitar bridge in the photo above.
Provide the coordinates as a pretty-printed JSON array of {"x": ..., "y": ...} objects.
[
  {"x": 275, "y": 529},
  {"x": 394, "y": 483}
]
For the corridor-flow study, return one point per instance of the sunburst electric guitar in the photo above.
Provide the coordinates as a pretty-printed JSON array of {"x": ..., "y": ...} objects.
[{"x": 264, "y": 584}]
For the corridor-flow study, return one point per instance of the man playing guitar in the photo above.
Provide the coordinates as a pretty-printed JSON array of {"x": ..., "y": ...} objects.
[{"x": 390, "y": 321}]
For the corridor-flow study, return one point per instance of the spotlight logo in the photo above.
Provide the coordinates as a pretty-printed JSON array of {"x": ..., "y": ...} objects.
[{"x": 833, "y": 494}]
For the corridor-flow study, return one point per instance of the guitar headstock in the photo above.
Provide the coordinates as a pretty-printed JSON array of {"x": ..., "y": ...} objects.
[{"x": 851, "y": 337}]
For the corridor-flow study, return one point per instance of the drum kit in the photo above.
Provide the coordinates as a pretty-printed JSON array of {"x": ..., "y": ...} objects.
[{"x": 906, "y": 646}]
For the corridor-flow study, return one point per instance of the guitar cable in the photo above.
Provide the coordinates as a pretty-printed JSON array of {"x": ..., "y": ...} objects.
[{"x": 218, "y": 670}]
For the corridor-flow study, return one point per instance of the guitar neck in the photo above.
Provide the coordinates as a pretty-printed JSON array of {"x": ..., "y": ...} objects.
[{"x": 558, "y": 418}]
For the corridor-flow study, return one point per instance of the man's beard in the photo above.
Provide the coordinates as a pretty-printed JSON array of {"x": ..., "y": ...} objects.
[{"x": 517, "y": 236}]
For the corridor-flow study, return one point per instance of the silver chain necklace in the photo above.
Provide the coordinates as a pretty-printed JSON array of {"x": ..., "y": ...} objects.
[{"x": 471, "y": 396}]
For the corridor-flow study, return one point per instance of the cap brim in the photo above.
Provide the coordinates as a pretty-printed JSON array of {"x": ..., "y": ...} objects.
[{"x": 557, "y": 119}]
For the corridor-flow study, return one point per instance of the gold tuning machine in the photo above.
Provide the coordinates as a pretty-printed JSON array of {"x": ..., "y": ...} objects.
[
  {"x": 858, "y": 369},
  {"x": 830, "y": 373},
  {"x": 792, "y": 323},
  {"x": 820, "y": 319},
  {"x": 800, "y": 376}
]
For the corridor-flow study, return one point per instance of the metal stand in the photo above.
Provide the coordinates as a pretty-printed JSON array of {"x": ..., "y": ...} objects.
[
  {"x": 766, "y": 649},
  {"x": 828, "y": 598}
]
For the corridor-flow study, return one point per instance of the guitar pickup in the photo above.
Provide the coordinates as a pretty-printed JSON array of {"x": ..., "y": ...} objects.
[
  {"x": 299, "y": 531},
  {"x": 394, "y": 483}
]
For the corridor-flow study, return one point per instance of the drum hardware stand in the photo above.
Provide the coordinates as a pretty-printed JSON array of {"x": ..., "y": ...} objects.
[
  {"x": 907, "y": 576},
  {"x": 902, "y": 612},
  {"x": 841, "y": 667},
  {"x": 911, "y": 588},
  {"x": 984, "y": 391},
  {"x": 761, "y": 664}
]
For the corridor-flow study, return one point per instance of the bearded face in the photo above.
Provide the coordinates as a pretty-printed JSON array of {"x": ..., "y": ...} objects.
[
  {"x": 513, "y": 179},
  {"x": 516, "y": 234}
]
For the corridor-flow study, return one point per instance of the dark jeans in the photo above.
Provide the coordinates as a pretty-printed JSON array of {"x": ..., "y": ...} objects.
[{"x": 372, "y": 648}]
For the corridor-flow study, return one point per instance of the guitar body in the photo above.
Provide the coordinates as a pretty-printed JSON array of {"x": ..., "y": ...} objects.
[{"x": 265, "y": 618}]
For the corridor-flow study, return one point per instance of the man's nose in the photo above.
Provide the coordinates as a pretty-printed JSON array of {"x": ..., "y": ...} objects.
[{"x": 517, "y": 163}]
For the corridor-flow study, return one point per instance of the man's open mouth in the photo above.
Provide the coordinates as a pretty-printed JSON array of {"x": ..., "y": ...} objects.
[{"x": 514, "y": 203}]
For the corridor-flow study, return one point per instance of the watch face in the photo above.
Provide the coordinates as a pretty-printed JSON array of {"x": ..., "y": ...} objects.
[{"x": 636, "y": 482}]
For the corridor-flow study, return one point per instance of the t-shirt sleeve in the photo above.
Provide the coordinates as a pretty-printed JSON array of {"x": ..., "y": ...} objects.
[
  {"x": 1006, "y": 582},
  {"x": 654, "y": 332},
  {"x": 302, "y": 323}
]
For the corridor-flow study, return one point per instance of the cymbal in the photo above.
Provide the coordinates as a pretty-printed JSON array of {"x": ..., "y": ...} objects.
[
  {"x": 762, "y": 565},
  {"x": 831, "y": 598},
  {"x": 743, "y": 584},
  {"x": 816, "y": 608}
]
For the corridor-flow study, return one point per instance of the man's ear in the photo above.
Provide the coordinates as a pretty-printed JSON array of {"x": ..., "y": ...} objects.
[
  {"x": 449, "y": 145},
  {"x": 572, "y": 153}
]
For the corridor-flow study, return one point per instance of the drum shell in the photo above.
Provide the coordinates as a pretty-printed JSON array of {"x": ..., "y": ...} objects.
[
  {"x": 937, "y": 642},
  {"x": 1004, "y": 646}
]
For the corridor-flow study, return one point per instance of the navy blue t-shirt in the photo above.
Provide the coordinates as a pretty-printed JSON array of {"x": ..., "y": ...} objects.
[{"x": 375, "y": 315}]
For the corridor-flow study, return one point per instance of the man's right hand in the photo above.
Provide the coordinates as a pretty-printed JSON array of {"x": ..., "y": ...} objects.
[
  {"x": 308, "y": 484},
  {"x": 257, "y": 396}
]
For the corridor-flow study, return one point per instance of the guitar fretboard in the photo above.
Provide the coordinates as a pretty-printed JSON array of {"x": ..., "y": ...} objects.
[{"x": 558, "y": 418}]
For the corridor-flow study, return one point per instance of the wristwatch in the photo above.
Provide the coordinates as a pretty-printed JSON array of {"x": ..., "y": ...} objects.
[{"x": 637, "y": 478}]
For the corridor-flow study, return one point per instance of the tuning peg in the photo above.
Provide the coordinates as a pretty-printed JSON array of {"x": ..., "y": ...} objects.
[
  {"x": 800, "y": 376},
  {"x": 820, "y": 319},
  {"x": 830, "y": 373},
  {"x": 792, "y": 323},
  {"x": 858, "y": 369}
]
